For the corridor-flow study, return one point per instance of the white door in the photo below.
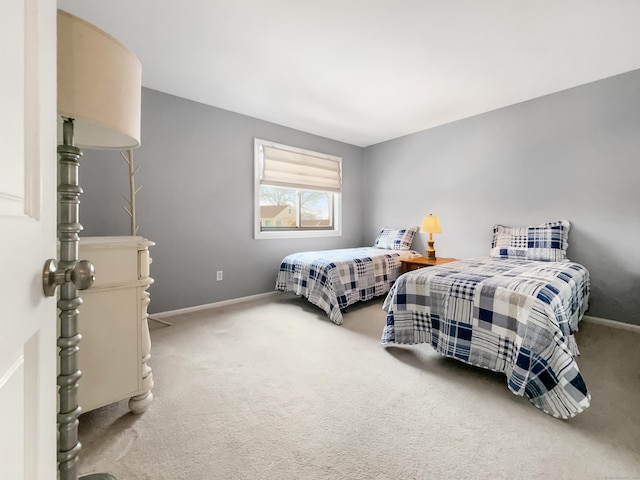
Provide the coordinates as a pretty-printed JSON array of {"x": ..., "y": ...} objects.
[{"x": 27, "y": 239}]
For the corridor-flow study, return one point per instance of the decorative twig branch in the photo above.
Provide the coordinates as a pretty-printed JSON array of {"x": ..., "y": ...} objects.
[{"x": 131, "y": 209}]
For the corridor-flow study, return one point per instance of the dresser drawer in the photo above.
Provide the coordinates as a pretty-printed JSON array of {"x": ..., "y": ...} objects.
[{"x": 118, "y": 261}]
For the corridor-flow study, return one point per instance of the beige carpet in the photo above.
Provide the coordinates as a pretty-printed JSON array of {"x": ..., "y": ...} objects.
[{"x": 271, "y": 389}]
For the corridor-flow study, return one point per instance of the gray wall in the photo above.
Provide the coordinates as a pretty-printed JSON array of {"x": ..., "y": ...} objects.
[
  {"x": 572, "y": 155},
  {"x": 196, "y": 203}
]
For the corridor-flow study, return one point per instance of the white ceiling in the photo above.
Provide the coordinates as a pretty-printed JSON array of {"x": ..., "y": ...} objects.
[{"x": 365, "y": 71}]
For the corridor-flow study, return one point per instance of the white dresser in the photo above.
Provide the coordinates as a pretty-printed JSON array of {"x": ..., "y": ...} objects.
[{"x": 115, "y": 344}]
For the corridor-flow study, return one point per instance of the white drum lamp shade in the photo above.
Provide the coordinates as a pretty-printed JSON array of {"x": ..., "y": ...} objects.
[{"x": 99, "y": 85}]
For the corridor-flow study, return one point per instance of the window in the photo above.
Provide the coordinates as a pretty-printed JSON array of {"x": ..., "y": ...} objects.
[{"x": 297, "y": 192}]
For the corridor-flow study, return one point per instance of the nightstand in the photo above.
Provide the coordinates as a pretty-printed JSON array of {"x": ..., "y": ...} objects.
[{"x": 414, "y": 263}]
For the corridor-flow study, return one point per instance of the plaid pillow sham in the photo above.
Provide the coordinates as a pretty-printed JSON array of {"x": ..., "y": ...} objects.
[
  {"x": 547, "y": 242},
  {"x": 395, "y": 239}
]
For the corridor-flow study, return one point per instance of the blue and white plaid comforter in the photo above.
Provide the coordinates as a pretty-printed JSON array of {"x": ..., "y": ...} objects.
[
  {"x": 507, "y": 315},
  {"x": 334, "y": 279}
]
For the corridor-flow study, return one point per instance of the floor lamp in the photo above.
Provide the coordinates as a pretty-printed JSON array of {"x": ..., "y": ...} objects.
[{"x": 99, "y": 95}]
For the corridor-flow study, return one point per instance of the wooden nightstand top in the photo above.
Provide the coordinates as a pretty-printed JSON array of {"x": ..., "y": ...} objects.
[{"x": 408, "y": 264}]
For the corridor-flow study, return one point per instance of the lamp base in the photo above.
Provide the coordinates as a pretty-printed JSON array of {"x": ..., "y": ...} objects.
[
  {"x": 431, "y": 252},
  {"x": 98, "y": 476}
]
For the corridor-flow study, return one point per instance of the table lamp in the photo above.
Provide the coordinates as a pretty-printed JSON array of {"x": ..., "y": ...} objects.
[
  {"x": 431, "y": 225},
  {"x": 99, "y": 97}
]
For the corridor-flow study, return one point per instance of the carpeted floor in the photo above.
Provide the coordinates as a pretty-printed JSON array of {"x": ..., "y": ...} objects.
[{"x": 271, "y": 389}]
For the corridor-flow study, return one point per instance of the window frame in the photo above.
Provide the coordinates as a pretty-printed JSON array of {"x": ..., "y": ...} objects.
[{"x": 298, "y": 232}]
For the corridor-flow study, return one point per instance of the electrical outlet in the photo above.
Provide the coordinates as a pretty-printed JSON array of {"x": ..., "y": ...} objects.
[{"x": 219, "y": 275}]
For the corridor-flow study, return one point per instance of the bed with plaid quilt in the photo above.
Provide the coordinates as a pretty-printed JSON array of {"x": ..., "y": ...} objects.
[
  {"x": 335, "y": 279},
  {"x": 507, "y": 315}
]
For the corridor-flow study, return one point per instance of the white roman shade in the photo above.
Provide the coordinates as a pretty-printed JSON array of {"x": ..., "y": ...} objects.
[{"x": 300, "y": 169}]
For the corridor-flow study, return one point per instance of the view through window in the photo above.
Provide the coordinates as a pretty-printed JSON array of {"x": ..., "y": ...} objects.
[{"x": 297, "y": 191}]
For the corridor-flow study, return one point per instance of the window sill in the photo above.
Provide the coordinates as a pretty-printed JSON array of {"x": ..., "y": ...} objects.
[{"x": 298, "y": 234}]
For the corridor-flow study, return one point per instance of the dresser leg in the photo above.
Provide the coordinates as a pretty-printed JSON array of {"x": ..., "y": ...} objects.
[{"x": 140, "y": 403}]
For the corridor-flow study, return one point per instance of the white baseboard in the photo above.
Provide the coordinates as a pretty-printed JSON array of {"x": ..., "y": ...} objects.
[
  {"x": 612, "y": 323},
  {"x": 587, "y": 318},
  {"x": 208, "y": 306}
]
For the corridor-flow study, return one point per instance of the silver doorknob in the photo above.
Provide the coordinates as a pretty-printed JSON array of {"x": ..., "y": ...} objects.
[{"x": 82, "y": 275}]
